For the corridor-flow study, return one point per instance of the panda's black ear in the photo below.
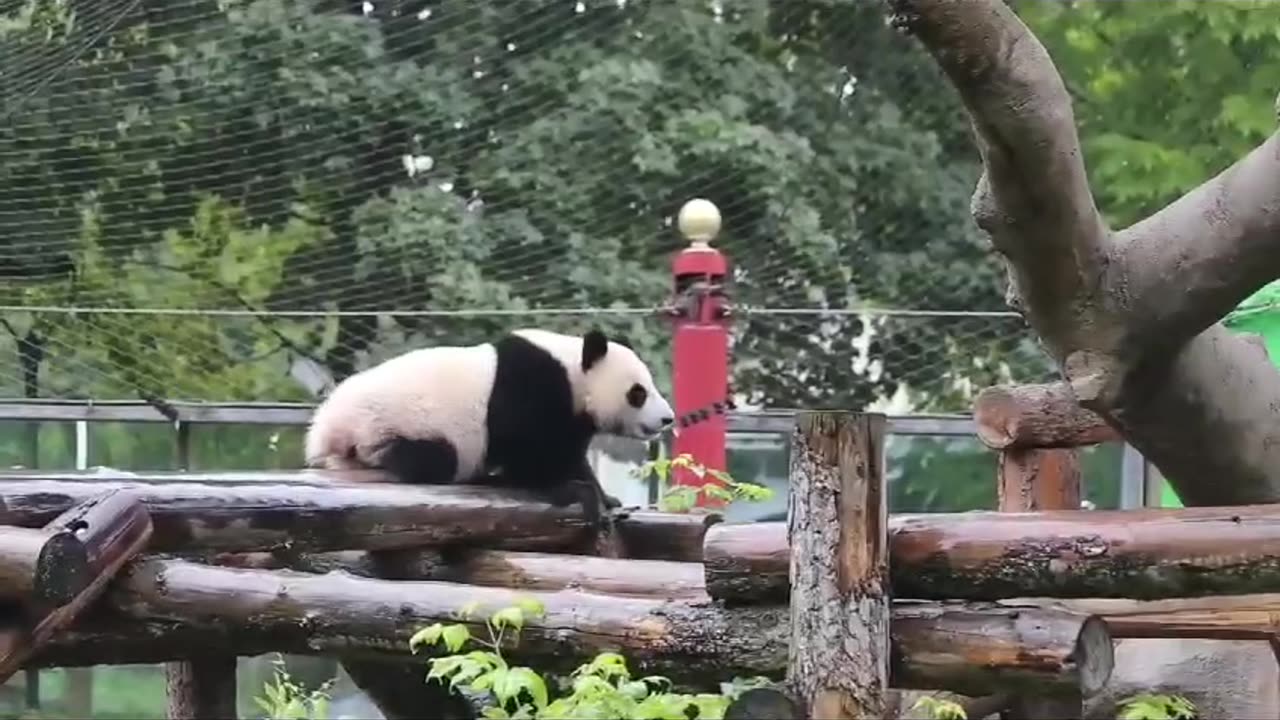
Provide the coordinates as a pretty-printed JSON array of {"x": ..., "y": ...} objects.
[{"x": 594, "y": 347}]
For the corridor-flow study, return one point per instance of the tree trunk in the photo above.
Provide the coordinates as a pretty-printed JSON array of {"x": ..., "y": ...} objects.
[
  {"x": 1131, "y": 317},
  {"x": 203, "y": 689},
  {"x": 322, "y": 511},
  {"x": 166, "y": 610},
  {"x": 838, "y": 522},
  {"x": 1141, "y": 554}
]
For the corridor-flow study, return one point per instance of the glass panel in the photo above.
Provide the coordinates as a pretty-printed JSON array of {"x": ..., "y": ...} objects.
[
  {"x": 939, "y": 473},
  {"x": 56, "y": 441},
  {"x": 137, "y": 446},
  {"x": 246, "y": 447}
]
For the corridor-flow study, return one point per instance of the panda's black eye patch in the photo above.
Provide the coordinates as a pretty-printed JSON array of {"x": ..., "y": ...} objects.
[{"x": 636, "y": 396}]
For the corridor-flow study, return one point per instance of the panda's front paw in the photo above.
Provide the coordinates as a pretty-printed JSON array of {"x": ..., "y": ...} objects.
[
  {"x": 563, "y": 495},
  {"x": 611, "y": 502}
]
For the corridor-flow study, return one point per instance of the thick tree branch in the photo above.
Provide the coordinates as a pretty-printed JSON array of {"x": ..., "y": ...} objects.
[
  {"x": 1034, "y": 196},
  {"x": 1188, "y": 265}
]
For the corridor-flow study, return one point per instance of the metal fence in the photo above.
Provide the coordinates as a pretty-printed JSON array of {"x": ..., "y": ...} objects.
[{"x": 1138, "y": 483}]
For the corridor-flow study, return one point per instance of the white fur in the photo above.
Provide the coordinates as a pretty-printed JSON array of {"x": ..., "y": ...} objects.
[{"x": 439, "y": 392}]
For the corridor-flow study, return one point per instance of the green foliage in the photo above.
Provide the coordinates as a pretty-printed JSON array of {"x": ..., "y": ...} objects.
[
  {"x": 1166, "y": 94},
  {"x": 283, "y": 699},
  {"x": 602, "y": 687},
  {"x": 1156, "y": 707},
  {"x": 682, "y": 498},
  {"x": 940, "y": 708}
]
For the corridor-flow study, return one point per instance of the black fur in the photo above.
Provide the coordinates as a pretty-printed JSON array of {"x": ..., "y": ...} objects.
[
  {"x": 535, "y": 436},
  {"x": 427, "y": 462}
]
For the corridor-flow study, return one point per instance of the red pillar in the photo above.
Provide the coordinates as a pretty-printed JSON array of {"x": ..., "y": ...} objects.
[{"x": 700, "y": 347}]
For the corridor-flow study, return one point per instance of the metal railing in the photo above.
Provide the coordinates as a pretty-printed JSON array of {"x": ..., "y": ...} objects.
[{"x": 1138, "y": 487}]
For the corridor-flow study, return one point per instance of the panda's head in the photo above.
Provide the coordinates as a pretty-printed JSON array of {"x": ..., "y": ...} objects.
[{"x": 619, "y": 392}]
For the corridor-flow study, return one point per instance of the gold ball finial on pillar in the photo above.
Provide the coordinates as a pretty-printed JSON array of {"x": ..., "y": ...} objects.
[{"x": 699, "y": 221}]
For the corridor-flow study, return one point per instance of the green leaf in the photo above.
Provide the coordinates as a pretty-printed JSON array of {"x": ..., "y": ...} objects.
[
  {"x": 426, "y": 636},
  {"x": 526, "y": 679},
  {"x": 510, "y": 616},
  {"x": 494, "y": 711},
  {"x": 455, "y": 636},
  {"x": 531, "y": 606}
]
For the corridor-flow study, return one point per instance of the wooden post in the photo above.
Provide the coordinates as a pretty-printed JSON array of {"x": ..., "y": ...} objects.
[
  {"x": 1031, "y": 479},
  {"x": 838, "y": 664},
  {"x": 203, "y": 689},
  {"x": 1039, "y": 479}
]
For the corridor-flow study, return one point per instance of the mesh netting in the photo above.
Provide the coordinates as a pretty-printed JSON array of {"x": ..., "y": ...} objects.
[{"x": 229, "y": 200}]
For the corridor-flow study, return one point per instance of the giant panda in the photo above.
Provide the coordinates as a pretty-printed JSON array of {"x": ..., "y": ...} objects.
[{"x": 526, "y": 405}]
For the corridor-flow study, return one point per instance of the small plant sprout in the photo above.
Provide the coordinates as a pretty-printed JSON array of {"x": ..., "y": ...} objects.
[
  {"x": 683, "y": 498},
  {"x": 283, "y": 699},
  {"x": 1149, "y": 706},
  {"x": 603, "y": 687},
  {"x": 940, "y": 708}
]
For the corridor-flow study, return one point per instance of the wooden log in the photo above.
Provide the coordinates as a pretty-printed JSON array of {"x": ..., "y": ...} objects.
[
  {"x": 665, "y": 535},
  {"x": 839, "y": 595},
  {"x": 1232, "y": 617},
  {"x": 747, "y": 563},
  {"x": 1027, "y": 480},
  {"x": 1037, "y": 416},
  {"x": 164, "y": 610},
  {"x": 498, "y": 568},
  {"x": 326, "y": 511},
  {"x": 41, "y": 566},
  {"x": 1075, "y": 647},
  {"x": 203, "y": 689},
  {"x": 1141, "y": 554},
  {"x": 49, "y": 565},
  {"x": 111, "y": 530}
]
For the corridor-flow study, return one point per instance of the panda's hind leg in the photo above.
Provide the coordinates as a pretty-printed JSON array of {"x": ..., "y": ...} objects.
[{"x": 417, "y": 461}]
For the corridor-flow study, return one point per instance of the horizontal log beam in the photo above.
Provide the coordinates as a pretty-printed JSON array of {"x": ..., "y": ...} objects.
[
  {"x": 330, "y": 510},
  {"x": 1249, "y": 616},
  {"x": 1230, "y": 617},
  {"x": 1139, "y": 554},
  {"x": 170, "y": 609},
  {"x": 1037, "y": 416},
  {"x": 497, "y": 568}
]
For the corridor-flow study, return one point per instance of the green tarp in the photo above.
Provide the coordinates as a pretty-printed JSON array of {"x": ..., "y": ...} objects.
[{"x": 1259, "y": 314}]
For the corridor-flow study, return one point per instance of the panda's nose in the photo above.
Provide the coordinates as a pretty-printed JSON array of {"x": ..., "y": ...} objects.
[{"x": 666, "y": 420}]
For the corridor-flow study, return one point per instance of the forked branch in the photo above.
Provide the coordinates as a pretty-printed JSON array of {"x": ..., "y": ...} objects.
[{"x": 1034, "y": 196}]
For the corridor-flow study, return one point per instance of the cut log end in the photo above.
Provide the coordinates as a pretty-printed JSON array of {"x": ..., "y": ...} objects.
[
  {"x": 1036, "y": 416},
  {"x": 763, "y": 704},
  {"x": 1094, "y": 655},
  {"x": 62, "y": 570}
]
